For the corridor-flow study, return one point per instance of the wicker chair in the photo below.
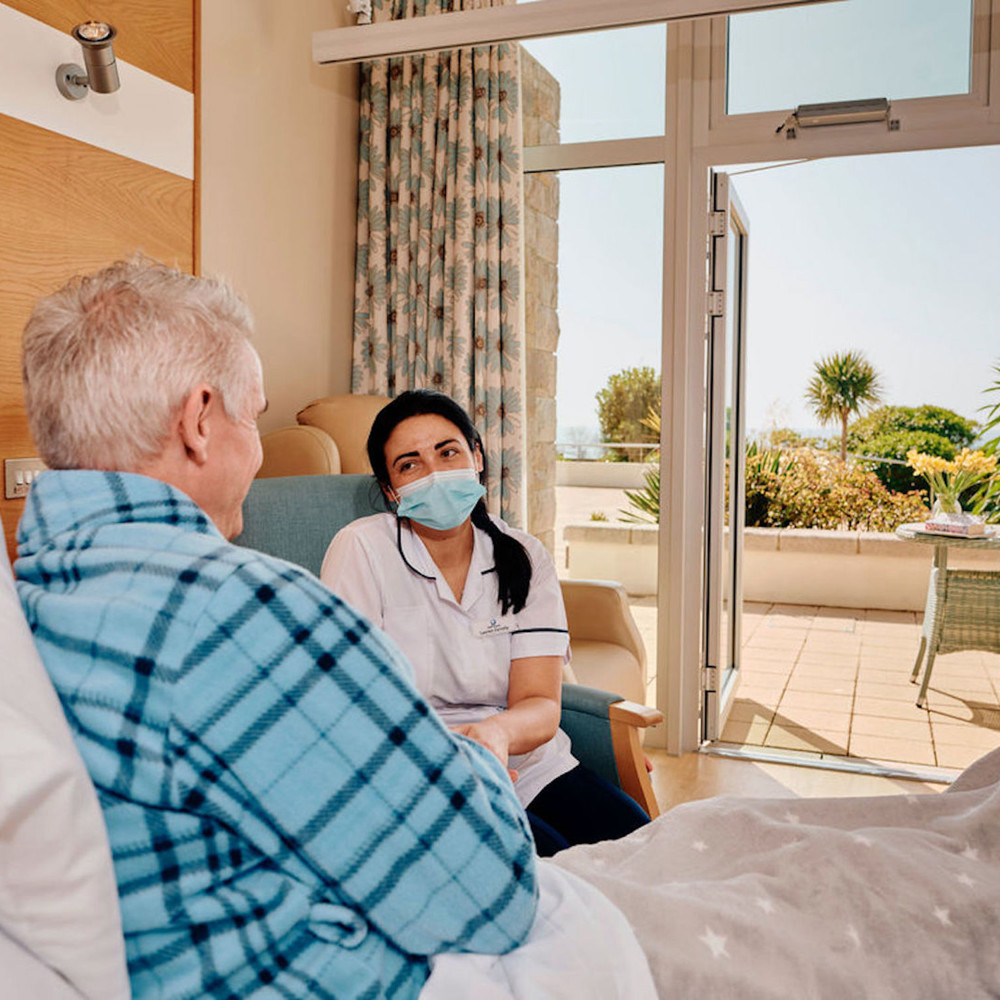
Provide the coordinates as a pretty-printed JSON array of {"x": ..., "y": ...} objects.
[{"x": 963, "y": 612}]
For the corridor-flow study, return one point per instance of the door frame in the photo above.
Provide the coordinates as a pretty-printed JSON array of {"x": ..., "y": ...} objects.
[
  {"x": 725, "y": 420},
  {"x": 693, "y": 147},
  {"x": 696, "y": 138}
]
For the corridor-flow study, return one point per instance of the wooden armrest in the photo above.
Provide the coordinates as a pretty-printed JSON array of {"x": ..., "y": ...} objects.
[
  {"x": 626, "y": 718},
  {"x": 633, "y": 714}
]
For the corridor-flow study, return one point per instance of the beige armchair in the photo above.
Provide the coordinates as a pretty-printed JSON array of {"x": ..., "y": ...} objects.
[
  {"x": 347, "y": 419},
  {"x": 298, "y": 451},
  {"x": 608, "y": 651}
]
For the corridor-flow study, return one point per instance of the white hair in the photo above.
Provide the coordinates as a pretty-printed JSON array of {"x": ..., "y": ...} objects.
[{"x": 109, "y": 359}]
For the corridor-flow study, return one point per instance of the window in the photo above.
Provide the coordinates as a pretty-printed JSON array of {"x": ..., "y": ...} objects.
[
  {"x": 842, "y": 51},
  {"x": 611, "y": 83}
]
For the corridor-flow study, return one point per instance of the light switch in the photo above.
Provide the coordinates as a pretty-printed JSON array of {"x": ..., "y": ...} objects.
[{"x": 19, "y": 474}]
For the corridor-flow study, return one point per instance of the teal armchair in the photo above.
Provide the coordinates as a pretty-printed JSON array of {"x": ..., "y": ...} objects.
[{"x": 294, "y": 518}]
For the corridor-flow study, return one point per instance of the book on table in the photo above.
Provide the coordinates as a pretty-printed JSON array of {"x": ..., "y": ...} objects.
[{"x": 960, "y": 529}]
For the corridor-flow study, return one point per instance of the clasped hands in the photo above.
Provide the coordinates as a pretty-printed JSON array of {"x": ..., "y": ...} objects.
[{"x": 491, "y": 734}]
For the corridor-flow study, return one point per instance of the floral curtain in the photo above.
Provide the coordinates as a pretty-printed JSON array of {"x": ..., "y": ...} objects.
[{"x": 438, "y": 272}]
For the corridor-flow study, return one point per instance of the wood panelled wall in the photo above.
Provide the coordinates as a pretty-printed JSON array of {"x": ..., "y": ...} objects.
[{"x": 70, "y": 208}]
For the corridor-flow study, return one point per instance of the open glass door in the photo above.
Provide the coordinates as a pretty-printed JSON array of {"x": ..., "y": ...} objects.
[{"x": 726, "y": 454}]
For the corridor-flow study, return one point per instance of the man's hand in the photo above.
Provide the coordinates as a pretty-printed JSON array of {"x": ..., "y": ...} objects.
[{"x": 489, "y": 733}]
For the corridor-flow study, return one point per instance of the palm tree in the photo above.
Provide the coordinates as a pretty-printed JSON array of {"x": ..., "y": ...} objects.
[{"x": 843, "y": 384}]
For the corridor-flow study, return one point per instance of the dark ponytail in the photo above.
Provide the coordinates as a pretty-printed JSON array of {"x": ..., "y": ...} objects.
[
  {"x": 512, "y": 562},
  {"x": 513, "y": 565}
]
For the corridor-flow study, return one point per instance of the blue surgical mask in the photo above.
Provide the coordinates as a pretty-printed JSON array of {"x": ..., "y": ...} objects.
[{"x": 441, "y": 500}]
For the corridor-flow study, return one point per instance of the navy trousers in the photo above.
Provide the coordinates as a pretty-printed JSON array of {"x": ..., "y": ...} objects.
[{"x": 581, "y": 808}]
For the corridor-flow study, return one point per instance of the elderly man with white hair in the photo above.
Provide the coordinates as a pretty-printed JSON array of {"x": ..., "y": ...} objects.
[{"x": 287, "y": 817}]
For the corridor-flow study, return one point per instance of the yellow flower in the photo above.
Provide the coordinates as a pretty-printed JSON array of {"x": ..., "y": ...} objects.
[
  {"x": 975, "y": 461},
  {"x": 925, "y": 465},
  {"x": 949, "y": 480}
]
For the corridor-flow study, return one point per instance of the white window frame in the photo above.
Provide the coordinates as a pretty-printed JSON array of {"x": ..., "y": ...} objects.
[
  {"x": 514, "y": 22},
  {"x": 588, "y": 155},
  {"x": 924, "y": 121},
  {"x": 694, "y": 145}
]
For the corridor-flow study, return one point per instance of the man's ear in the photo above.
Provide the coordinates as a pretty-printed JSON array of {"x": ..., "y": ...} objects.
[{"x": 194, "y": 428}]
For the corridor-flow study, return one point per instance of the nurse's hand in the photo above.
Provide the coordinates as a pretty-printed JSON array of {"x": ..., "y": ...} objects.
[{"x": 490, "y": 734}]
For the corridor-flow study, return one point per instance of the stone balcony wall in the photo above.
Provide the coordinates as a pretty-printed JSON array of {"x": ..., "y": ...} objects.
[{"x": 838, "y": 569}]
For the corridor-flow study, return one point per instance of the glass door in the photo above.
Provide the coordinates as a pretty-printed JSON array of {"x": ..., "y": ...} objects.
[{"x": 725, "y": 421}]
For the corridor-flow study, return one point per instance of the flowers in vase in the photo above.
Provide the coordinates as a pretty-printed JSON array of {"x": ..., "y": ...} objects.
[{"x": 949, "y": 479}]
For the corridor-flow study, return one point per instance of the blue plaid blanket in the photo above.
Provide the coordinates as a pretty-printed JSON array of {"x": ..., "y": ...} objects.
[{"x": 287, "y": 817}]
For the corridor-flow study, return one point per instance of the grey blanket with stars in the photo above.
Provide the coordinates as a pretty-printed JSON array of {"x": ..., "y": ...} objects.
[{"x": 885, "y": 897}]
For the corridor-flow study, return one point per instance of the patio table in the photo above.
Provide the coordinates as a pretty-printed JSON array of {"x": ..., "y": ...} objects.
[{"x": 963, "y": 605}]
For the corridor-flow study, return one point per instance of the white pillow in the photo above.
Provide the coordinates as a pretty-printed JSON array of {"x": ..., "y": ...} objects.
[
  {"x": 58, "y": 898},
  {"x": 25, "y": 977}
]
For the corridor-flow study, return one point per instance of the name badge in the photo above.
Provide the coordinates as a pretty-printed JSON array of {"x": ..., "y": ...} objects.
[{"x": 494, "y": 626}]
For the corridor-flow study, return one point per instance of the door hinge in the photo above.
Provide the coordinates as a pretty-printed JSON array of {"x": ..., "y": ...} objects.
[
  {"x": 716, "y": 303},
  {"x": 710, "y": 720},
  {"x": 717, "y": 224},
  {"x": 708, "y": 679}
]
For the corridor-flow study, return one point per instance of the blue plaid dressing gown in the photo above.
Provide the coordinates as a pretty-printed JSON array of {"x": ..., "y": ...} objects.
[{"x": 287, "y": 817}]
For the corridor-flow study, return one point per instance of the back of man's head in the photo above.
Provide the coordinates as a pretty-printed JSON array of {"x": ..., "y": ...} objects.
[{"x": 109, "y": 359}]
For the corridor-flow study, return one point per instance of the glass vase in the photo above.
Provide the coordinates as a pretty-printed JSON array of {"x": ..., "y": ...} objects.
[{"x": 946, "y": 505}]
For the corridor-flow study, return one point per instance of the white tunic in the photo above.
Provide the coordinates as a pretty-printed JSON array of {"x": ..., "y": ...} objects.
[{"x": 460, "y": 652}]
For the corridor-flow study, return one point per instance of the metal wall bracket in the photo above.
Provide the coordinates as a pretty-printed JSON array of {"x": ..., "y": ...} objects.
[{"x": 71, "y": 80}]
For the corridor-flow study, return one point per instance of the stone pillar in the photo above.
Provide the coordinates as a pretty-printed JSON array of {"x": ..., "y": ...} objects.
[{"x": 540, "y": 92}]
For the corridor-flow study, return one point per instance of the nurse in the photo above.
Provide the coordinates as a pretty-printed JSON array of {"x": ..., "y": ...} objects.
[{"x": 476, "y": 607}]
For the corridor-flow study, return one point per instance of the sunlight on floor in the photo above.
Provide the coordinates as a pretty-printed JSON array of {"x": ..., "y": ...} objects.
[
  {"x": 699, "y": 776},
  {"x": 837, "y": 681}
]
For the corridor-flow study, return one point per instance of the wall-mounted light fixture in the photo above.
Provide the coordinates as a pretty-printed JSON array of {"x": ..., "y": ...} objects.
[
  {"x": 875, "y": 109},
  {"x": 101, "y": 75}
]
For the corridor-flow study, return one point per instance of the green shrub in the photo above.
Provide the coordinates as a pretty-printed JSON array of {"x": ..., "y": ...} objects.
[
  {"x": 933, "y": 419},
  {"x": 801, "y": 489},
  {"x": 987, "y": 501},
  {"x": 896, "y": 444},
  {"x": 991, "y": 423},
  {"x": 891, "y": 431},
  {"x": 816, "y": 492},
  {"x": 765, "y": 468}
]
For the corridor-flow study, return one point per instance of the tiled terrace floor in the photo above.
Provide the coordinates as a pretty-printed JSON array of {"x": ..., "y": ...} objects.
[
  {"x": 837, "y": 681},
  {"x": 834, "y": 681}
]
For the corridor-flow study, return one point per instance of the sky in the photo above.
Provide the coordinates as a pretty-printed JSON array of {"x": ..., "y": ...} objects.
[{"x": 894, "y": 255}]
